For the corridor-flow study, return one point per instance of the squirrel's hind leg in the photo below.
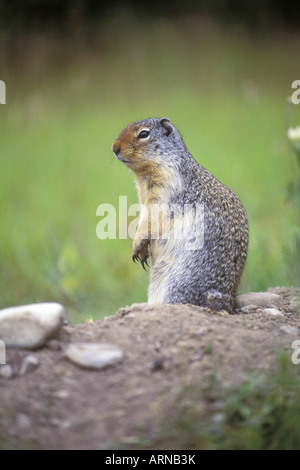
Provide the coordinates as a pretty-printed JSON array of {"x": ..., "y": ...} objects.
[{"x": 218, "y": 301}]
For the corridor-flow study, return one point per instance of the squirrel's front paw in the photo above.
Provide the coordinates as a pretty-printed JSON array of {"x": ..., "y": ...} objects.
[{"x": 140, "y": 252}]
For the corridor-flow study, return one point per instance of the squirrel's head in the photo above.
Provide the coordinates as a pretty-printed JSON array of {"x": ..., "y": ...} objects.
[{"x": 149, "y": 143}]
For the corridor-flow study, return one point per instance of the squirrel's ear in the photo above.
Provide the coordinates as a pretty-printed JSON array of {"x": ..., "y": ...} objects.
[{"x": 165, "y": 122}]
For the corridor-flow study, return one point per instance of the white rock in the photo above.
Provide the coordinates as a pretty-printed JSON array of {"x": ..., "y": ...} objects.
[
  {"x": 61, "y": 394},
  {"x": 59, "y": 423},
  {"x": 249, "y": 307},
  {"x": 6, "y": 371},
  {"x": 29, "y": 364},
  {"x": 262, "y": 299},
  {"x": 30, "y": 326},
  {"x": 273, "y": 311},
  {"x": 94, "y": 355},
  {"x": 291, "y": 330}
]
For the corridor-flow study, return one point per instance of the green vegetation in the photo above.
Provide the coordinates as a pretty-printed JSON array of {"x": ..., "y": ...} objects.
[
  {"x": 67, "y": 100},
  {"x": 263, "y": 413}
]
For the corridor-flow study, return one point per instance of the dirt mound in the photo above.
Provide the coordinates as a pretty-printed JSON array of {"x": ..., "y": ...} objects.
[{"x": 58, "y": 405}]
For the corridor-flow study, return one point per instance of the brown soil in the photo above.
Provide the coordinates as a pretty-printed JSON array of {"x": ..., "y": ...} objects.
[{"x": 60, "y": 406}]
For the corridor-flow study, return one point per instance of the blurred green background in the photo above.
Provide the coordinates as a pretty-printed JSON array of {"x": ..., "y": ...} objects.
[{"x": 76, "y": 76}]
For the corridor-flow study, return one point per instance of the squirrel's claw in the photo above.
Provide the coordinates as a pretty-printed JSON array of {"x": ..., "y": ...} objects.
[
  {"x": 141, "y": 253},
  {"x": 143, "y": 261},
  {"x": 135, "y": 258}
]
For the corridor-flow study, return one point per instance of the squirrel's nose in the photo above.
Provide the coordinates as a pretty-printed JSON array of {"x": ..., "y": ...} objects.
[{"x": 116, "y": 147}]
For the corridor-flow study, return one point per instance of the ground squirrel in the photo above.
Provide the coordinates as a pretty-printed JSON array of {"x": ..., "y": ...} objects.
[{"x": 197, "y": 236}]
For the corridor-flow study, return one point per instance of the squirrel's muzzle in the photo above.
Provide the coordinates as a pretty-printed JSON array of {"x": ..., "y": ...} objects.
[{"x": 116, "y": 147}]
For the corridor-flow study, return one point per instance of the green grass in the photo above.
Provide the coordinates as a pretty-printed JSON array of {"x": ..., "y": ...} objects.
[
  {"x": 262, "y": 413},
  {"x": 68, "y": 99}
]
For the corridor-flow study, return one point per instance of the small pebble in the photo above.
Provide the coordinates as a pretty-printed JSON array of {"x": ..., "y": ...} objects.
[
  {"x": 291, "y": 330},
  {"x": 6, "y": 371},
  {"x": 94, "y": 355},
  {"x": 29, "y": 364},
  {"x": 273, "y": 311}
]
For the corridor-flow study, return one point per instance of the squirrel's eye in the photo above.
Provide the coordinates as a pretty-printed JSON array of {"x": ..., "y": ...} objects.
[{"x": 144, "y": 134}]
